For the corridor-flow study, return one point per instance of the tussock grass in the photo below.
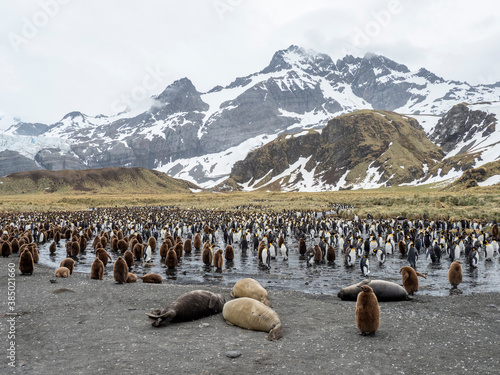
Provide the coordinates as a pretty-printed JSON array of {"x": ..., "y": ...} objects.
[{"x": 411, "y": 202}]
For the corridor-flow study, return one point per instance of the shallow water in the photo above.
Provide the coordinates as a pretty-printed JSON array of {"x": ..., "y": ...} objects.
[{"x": 295, "y": 274}]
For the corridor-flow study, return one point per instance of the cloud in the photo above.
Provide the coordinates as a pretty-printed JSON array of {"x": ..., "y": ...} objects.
[{"x": 90, "y": 53}]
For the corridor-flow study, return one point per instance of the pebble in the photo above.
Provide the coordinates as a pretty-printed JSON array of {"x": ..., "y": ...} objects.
[
  {"x": 233, "y": 354},
  {"x": 204, "y": 325}
]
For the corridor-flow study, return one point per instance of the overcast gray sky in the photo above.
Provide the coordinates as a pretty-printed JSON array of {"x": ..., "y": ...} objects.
[{"x": 94, "y": 56}]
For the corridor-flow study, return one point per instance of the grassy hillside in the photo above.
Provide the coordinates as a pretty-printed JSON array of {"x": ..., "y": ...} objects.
[{"x": 101, "y": 181}]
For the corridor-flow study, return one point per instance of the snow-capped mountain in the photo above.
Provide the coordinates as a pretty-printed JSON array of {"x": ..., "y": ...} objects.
[{"x": 200, "y": 136}]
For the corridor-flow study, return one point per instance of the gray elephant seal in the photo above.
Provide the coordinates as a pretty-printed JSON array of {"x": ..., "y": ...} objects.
[
  {"x": 251, "y": 314},
  {"x": 189, "y": 306},
  {"x": 385, "y": 291},
  {"x": 250, "y": 288}
]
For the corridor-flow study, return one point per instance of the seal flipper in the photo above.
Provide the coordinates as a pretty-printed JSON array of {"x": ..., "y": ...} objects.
[
  {"x": 161, "y": 319},
  {"x": 276, "y": 333}
]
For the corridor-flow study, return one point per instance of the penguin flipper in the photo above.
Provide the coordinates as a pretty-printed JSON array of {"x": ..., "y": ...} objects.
[{"x": 422, "y": 275}]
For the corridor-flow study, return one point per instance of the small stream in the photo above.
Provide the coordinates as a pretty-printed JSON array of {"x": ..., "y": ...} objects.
[{"x": 295, "y": 274}]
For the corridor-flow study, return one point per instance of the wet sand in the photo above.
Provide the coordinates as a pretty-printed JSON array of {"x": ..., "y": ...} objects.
[{"x": 83, "y": 326}]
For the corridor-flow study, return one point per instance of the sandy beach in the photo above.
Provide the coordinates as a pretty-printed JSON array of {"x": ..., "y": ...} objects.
[{"x": 83, "y": 326}]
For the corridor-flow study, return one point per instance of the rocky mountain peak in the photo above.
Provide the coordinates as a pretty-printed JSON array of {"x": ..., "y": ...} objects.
[
  {"x": 180, "y": 96},
  {"x": 380, "y": 62},
  {"x": 297, "y": 57}
]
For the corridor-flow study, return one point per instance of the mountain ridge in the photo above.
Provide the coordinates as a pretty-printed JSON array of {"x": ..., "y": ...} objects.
[{"x": 200, "y": 136}]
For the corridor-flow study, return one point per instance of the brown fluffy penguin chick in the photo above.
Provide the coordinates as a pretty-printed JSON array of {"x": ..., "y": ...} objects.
[
  {"x": 129, "y": 258},
  {"x": 6, "y": 249},
  {"x": 402, "y": 248},
  {"x": 62, "y": 272},
  {"x": 152, "y": 278},
  {"x": 14, "y": 245},
  {"x": 120, "y": 271},
  {"x": 302, "y": 246},
  {"x": 69, "y": 264},
  {"x": 218, "y": 259},
  {"x": 138, "y": 251},
  {"x": 97, "y": 269},
  {"x": 206, "y": 256},
  {"x": 318, "y": 254},
  {"x": 103, "y": 256},
  {"x": 367, "y": 311},
  {"x": 163, "y": 250},
  {"x": 52, "y": 248},
  {"x": 75, "y": 249},
  {"x": 152, "y": 243},
  {"x": 131, "y": 278},
  {"x": 114, "y": 243},
  {"x": 179, "y": 246},
  {"x": 330, "y": 254},
  {"x": 171, "y": 258},
  {"x": 68, "y": 249},
  {"x": 122, "y": 245},
  {"x": 229, "y": 255},
  {"x": 197, "y": 241},
  {"x": 455, "y": 273},
  {"x": 26, "y": 264},
  {"x": 188, "y": 246},
  {"x": 410, "y": 279}
]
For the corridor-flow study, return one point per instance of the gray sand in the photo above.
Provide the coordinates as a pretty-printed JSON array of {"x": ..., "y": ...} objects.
[{"x": 94, "y": 327}]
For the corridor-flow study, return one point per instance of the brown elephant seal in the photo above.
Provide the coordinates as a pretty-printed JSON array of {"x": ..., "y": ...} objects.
[
  {"x": 250, "y": 288},
  {"x": 385, "y": 291},
  {"x": 367, "y": 311},
  {"x": 410, "y": 279},
  {"x": 189, "y": 306},
  {"x": 251, "y": 314}
]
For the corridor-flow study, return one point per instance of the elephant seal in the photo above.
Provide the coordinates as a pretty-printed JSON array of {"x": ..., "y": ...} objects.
[
  {"x": 189, "y": 306},
  {"x": 367, "y": 311},
  {"x": 251, "y": 314},
  {"x": 250, "y": 288},
  {"x": 385, "y": 291}
]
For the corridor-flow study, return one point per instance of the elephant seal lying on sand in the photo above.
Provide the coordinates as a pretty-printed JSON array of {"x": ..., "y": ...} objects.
[
  {"x": 385, "y": 291},
  {"x": 189, "y": 306},
  {"x": 250, "y": 288},
  {"x": 251, "y": 314}
]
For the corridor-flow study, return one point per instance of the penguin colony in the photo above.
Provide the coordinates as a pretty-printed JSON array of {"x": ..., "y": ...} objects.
[{"x": 134, "y": 234}]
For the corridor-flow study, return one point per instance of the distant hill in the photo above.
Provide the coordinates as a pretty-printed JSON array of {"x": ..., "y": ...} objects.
[
  {"x": 105, "y": 180},
  {"x": 486, "y": 175},
  {"x": 363, "y": 149}
]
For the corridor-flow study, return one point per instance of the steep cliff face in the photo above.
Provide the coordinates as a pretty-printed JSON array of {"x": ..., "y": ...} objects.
[
  {"x": 460, "y": 126},
  {"x": 362, "y": 149},
  {"x": 13, "y": 161}
]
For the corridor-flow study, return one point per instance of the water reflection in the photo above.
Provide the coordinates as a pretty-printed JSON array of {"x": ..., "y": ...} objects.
[{"x": 295, "y": 274}]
